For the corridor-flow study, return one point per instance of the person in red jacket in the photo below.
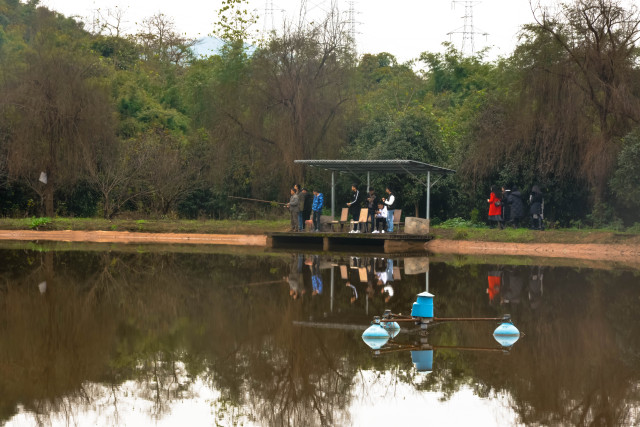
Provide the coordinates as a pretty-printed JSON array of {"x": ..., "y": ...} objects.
[{"x": 495, "y": 207}]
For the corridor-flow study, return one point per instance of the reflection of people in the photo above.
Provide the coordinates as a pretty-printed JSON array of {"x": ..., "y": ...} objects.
[
  {"x": 316, "y": 278},
  {"x": 355, "y": 292},
  {"x": 296, "y": 284},
  {"x": 389, "y": 269},
  {"x": 389, "y": 291},
  {"x": 535, "y": 286},
  {"x": 512, "y": 289},
  {"x": 494, "y": 279}
]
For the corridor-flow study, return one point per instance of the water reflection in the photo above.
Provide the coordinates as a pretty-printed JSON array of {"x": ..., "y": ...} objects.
[{"x": 275, "y": 339}]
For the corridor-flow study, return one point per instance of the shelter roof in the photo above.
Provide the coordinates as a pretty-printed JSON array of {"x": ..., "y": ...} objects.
[{"x": 411, "y": 167}]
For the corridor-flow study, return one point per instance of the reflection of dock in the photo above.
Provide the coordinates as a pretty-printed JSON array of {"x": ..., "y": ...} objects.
[{"x": 387, "y": 243}]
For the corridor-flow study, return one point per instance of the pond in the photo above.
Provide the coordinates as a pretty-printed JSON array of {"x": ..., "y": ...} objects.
[{"x": 109, "y": 335}]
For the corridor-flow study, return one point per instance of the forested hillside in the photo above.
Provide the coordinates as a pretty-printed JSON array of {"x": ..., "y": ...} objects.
[{"x": 136, "y": 124}]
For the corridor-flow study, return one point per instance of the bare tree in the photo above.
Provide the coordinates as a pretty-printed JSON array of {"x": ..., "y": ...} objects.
[
  {"x": 300, "y": 89},
  {"x": 160, "y": 39},
  {"x": 56, "y": 107},
  {"x": 599, "y": 41}
]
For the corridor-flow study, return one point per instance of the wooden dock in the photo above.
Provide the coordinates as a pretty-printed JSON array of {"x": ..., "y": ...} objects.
[{"x": 337, "y": 242}]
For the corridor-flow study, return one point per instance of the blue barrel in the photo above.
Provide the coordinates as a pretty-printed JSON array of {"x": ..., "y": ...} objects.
[
  {"x": 423, "y": 307},
  {"x": 422, "y": 360}
]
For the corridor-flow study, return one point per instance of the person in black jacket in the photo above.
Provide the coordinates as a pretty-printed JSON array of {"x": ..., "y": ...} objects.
[
  {"x": 536, "y": 201},
  {"x": 306, "y": 208},
  {"x": 506, "y": 208},
  {"x": 354, "y": 207},
  {"x": 372, "y": 203},
  {"x": 516, "y": 206}
]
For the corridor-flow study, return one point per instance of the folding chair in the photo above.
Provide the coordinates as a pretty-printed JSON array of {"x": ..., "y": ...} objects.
[
  {"x": 397, "y": 215},
  {"x": 362, "y": 219},
  {"x": 344, "y": 273},
  {"x": 344, "y": 215}
]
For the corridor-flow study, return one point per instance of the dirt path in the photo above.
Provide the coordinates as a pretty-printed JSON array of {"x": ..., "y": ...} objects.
[
  {"x": 128, "y": 237},
  {"x": 629, "y": 254},
  {"x": 609, "y": 252}
]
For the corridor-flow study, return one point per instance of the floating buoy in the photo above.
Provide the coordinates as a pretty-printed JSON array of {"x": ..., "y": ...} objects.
[
  {"x": 423, "y": 307},
  {"x": 422, "y": 360},
  {"x": 375, "y": 336},
  {"x": 392, "y": 328},
  {"x": 506, "y": 334}
]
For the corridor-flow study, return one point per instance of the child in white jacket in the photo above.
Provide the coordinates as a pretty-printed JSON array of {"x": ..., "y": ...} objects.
[{"x": 381, "y": 218}]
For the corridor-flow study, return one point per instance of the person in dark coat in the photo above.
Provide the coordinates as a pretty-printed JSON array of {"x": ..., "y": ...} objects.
[
  {"x": 372, "y": 203},
  {"x": 354, "y": 207},
  {"x": 516, "y": 206},
  {"x": 506, "y": 208},
  {"x": 536, "y": 202},
  {"x": 306, "y": 208}
]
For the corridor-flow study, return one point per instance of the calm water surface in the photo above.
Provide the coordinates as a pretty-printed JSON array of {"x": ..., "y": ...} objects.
[{"x": 112, "y": 337}]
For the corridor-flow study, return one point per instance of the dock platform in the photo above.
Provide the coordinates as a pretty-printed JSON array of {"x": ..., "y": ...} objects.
[{"x": 336, "y": 242}]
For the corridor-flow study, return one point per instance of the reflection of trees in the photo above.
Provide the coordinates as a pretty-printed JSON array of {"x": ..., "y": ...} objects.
[
  {"x": 577, "y": 364},
  {"x": 166, "y": 321},
  {"x": 163, "y": 321}
]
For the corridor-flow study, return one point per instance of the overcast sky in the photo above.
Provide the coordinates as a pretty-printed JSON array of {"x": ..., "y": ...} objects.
[{"x": 404, "y": 28}]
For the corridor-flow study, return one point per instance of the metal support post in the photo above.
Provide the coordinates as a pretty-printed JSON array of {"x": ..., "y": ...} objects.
[
  {"x": 428, "y": 194},
  {"x": 333, "y": 196},
  {"x": 332, "y": 282}
]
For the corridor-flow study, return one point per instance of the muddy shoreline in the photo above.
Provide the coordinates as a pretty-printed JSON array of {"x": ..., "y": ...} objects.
[{"x": 625, "y": 253}]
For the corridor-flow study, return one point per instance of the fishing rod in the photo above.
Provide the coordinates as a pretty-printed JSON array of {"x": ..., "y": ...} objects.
[
  {"x": 270, "y": 282},
  {"x": 255, "y": 200}
]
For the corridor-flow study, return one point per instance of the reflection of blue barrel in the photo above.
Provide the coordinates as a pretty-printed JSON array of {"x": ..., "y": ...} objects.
[
  {"x": 422, "y": 360},
  {"x": 506, "y": 334},
  {"x": 423, "y": 307},
  {"x": 392, "y": 328},
  {"x": 375, "y": 336}
]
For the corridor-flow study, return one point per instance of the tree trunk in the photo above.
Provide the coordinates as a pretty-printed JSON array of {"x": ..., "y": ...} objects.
[{"x": 48, "y": 195}]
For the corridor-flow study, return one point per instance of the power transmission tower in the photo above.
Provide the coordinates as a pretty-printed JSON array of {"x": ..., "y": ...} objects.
[
  {"x": 467, "y": 30},
  {"x": 351, "y": 22},
  {"x": 268, "y": 25}
]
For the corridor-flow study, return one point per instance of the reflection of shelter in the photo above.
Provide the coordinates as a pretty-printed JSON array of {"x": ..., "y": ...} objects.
[{"x": 370, "y": 276}]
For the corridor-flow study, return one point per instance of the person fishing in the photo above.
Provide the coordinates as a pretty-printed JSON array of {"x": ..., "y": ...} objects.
[{"x": 294, "y": 209}]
